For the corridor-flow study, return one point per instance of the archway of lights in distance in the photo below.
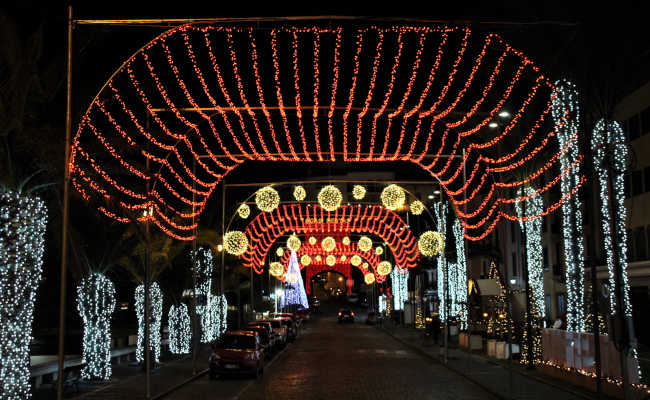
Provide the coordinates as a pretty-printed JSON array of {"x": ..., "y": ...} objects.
[{"x": 357, "y": 93}]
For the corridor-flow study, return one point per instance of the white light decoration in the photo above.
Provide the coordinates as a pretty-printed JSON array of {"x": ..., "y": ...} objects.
[
  {"x": 179, "y": 329},
  {"x": 399, "y": 283},
  {"x": 312, "y": 240},
  {"x": 276, "y": 269},
  {"x": 203, "y": 260},
  {"x": 95, "y": 304},
  {"x": 565, "y": 100},
  {"x": 23, "y": 222},
  {"x": 330, "y": 198},
  {"x": 417, "y": 207},
  {"x": 218, "y": 316},
  {"x": 355, "y": 260},
  {"x": 369, "y": 278},
  {"x": 441, "y": 220},
  {"x": 328, "y": 244},
  {"x": 267, "y": 199},
  {"x": 393, "y": 197},
  {"x": 235, "y": 242},
  {"x": 365, "y": 243},
  {"x": 330, "y": 260},
  {"x": 430, "y": 243},
  {"x": 533, "y": 231},
  {"x": 611, "y": 134},
  {"x": 382, "y": 303},
  {"x": 379, "y": 250},
  {"x": 279, "y": 252},
  {"x": 384, "y": 268},
  {"x": 293, "y": 243},
  {"x": 358, "y": 192},
  {"x": 346, "y": 240},
  {"x": 156, "y": 301},
  {"x": 299, "y": 193},
  {"x": 459, "y": 284},
  {"x": 244, "y": 211},
  {"x": 305, "y": 260}
]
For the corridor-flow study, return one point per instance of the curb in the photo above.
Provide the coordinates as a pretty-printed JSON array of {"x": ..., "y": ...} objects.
[{"x": 180, "y": 385}]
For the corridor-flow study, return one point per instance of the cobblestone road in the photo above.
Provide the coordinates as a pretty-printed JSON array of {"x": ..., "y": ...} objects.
[{"x": 350, "y": 361}]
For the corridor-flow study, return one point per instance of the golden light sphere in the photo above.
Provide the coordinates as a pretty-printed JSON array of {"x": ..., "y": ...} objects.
[
  {"x": 369, "y": 278},
  {"x": 267, "y": 199},
  {"x": 276, "y": 269},
  {"x": 417, "y": 207},
  {"x": 430, "y": 243},
  {"x": 305, "y": 260},
  {"x": 393, "y": 197},
  {"x": 365, "y": 243},
  {"x": 235, "y": 242},
  {"x": 293, "y": 243},
  {"x": 384, "y": 268},
  {"x": 365, "y": 265},
  {"x": 312, "y": 240},
  {"x": 299, "y": 193},
  {"x": 319, "y": 258},
  {"x": 358, "y": 192},
  {"x": 330, "y": 260},
  {"x": 244, "y": 211},
  {"x": 328, "y": 244},
  {"x": 279, "y": 252},
  {"x": 343, "y": 257},
  {"x": 379, "y": 250},
  {"x": 330, "y": 198},
  {"x": 356, "y": 260},
  {"x": 346, "y": 241}
]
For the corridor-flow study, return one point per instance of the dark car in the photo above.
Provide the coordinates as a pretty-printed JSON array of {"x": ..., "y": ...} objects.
[
  {"x": 238, "y": 353},
  {"x": 274, "y": 340},
  {"x": 265, "y": 337},
  {"x": 346, "y": 315},
  {"x": 292, "y": 328},
  {"x": 281, "y": 332}
]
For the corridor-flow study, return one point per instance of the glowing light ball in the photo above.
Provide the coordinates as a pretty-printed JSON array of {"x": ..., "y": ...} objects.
[
  {"x": 294, "y": 243},
  {"x": 393, "y": 197},
  {"x": 379, "y": 250},
  {"x": 279, "y": 252},
  {"x": 369, "y": 278},
  {"x": 330, "y": 198},
  {"x": 299, "y": 193},
  {"x": 430, "y": 243},
  {"x": 358, "y": 192},
  {"x": 305, "y": 260},
  {"x": 328, "y": 244},
  {"x": 417, "y": 207},
  {"x": 235, "y": 242},
  {"x": 384, "y": 268},
  {"x": 319, "y": 258},
  {"x": 267, "y": 199},
  {"x": 365, "y": 243},
  {"x": 346, "y": 241},
  {"x": 343, "y": 257},
  {"x": 365, "y": 265},
  {"x": 355, "y": 260},
  {"x": 312, "y": 240},
  {"x": 276, "y": 269},
  {"x": 330, "y": 260},
  {"x": 244, "y": 211}
]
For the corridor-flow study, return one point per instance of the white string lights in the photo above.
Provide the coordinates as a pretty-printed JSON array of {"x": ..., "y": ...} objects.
[
  {"x": 179, "y": 329},
  {"x": 458, "y": 286},
  {"x": 218, "y": 315},
  {"x": 399, "y": 282},
  {"x": 203, "y": 259},
  {"x": 267, "y": 199},
  {"x": 565, "y": 100},
  {"x": 533, "y": 231},
  {"x": 441, "y": 219},
  {"x": 95, "y": 304},
  {"x": 23, "y": 221},
  {"x": 156, "y": 301},
  {"x": 611, "y": 134}
]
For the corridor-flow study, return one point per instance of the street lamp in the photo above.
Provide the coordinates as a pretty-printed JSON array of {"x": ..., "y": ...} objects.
[{"x": 504, "y": 114}]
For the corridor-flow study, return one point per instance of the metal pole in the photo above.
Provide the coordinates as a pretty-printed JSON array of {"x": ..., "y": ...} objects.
[
  {"x": 195, "y": 338},
  {"x": 147, "y": 299},
  {"x": 66, "y": 207},
  {"x": 509, "y": 332},
  {"x": 252, "y": 302},
  {"x": 596, "y": 329},
  {"x": 223, "y": 228}
]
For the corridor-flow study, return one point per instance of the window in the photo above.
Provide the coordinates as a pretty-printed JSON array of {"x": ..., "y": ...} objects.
[
  {"x": 561, "y": 304},
  {"x": 630, "y": 246},
  {"x": 547, "y": 305},
  {"x": 639, "y": 244},
  {"x": 558, "y": 252},
  {"x": 545, "y": 258},
  {"x": 633, "y": 127},
  {"x": 636, "y": 182}
]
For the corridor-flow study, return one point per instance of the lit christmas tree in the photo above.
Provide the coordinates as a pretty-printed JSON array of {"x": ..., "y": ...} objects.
[
  {"x": 500, "y": 324},
  {"x": 294, "y": 293}
]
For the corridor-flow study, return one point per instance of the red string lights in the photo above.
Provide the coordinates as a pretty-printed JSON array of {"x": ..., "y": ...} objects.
[{"x": 200, "y": 99}]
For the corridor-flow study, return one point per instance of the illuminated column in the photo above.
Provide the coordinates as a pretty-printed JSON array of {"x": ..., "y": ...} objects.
[
  {"x": 399, "y": 282},
  {"x": 458, "y": 286},
  {"x": 156, "y": 301},
  {"x": 179, "y": 329},
  {"x": 533, "y": 232},
  {"x": 95, "y": 304},
  {"x": 23, "y": 221},
  {"x": 566, "y": 115},
  {"x": 204, "y": 261},
  {"x": 441, "y": 218}
]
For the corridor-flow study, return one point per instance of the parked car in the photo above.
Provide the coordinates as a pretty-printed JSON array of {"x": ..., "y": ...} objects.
[
  {"x": 304, "y": 314},
  {"x": 346, "y": 315},
  {"x": 274, "y": 340},
  {"x": 238, "y": 353},
  {"x": 292, "y": 328},
  {"x": 279, "y": 330},
  {"x": 265, "y": 337}
]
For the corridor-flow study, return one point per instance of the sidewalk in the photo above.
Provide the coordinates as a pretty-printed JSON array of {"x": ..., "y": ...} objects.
[{"x": 491, "y": 374}]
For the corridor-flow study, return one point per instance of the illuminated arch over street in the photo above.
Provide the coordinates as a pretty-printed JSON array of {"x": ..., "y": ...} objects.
[
  {"x": 200, "y": 99},
  {"x": 266, "y": 228}
]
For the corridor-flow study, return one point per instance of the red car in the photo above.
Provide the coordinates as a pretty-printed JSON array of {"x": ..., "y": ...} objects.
[{"x": 239, "y": 353}]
